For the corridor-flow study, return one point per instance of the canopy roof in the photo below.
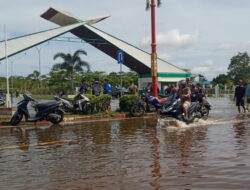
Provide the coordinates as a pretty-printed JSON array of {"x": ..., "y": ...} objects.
[
  {"x": 134, "y": 58},
  {"x": 22, "y": 43}
]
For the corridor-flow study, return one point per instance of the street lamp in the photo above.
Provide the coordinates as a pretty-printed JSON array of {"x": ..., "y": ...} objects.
[
  {"x": 39, "y": 56},
  {"x": 153, "y": 45},
  {"x": 11, "y": 62}
]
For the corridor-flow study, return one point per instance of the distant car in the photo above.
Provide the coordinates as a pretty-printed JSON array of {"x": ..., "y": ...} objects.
[{"x": 118, "y": 91}]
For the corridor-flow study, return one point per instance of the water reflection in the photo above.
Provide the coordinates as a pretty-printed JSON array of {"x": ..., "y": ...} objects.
[
  {"x": 22, "y": 137},
  {"x": 128, "y": 154}
]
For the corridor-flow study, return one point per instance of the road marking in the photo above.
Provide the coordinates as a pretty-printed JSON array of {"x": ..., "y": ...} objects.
[{"x": 35, "y": 144}]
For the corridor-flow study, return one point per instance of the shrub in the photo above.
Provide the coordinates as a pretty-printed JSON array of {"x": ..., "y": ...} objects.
[
  {"x": 127, "y": 101},
  {"x": 99, "y": 103}
]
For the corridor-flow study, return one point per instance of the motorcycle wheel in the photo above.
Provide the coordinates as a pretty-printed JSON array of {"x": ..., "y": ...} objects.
[
  {"x": 16, "y": 119},
  {"x": 58, "y": 117},
  {"x": 205, "y": 111},
  {"x": 191, "y": 118},
  {"x": 150, "y": 108},
  {"x": 87, "y": 109},
  {"x": 137, "y": 111}
]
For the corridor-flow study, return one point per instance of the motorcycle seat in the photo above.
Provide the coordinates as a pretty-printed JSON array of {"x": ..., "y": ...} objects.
[
  {"x": 69, "y": 99},
  {"x": 44, "y": 105},
  {"x": 158, "y": 105}
]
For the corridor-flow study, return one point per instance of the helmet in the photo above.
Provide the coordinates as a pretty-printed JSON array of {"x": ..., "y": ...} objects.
[{"x": 182, "y": 82}]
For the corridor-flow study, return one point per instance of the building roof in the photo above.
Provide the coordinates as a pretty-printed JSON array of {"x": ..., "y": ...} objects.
[
  {"x": 22, "y": 43},
  {"x": 134, "y": 58}
]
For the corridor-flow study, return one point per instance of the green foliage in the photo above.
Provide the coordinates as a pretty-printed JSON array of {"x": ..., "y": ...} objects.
[
  {"x": 239, "y": 68},
  {"x": 99, "y": 103},
  {"x": 127, "y": 101},
  {"x": 70, "y": 65},
  {"x": 221, "y": 79},
  {"x": 113, "y": 77},
  {"x": 65, "y": 76}
]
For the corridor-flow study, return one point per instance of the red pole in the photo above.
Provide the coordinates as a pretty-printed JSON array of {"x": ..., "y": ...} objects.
[{"x": 154, "y": 54}]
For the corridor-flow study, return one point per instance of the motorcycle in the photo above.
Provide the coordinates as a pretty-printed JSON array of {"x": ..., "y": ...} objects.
[
  {"x": 138, "y": 109},
  {"x": 174, "y": 110},
  {"x": 80, "y": 103},
  {"x": 148, "y": 104},
  {"x": 152, "y": 105},
  {"x": 2, "y": 101},
  {"x": 50, "y": 111},
  {"x": 205, "y": 108}
]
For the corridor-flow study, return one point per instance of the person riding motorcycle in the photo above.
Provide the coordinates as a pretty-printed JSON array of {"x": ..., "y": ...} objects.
[
  {"x": 198, "y": 95},
  {"x": 185, "y": 96}
]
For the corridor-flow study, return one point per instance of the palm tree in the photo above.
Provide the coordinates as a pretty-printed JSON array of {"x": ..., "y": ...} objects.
[
  {"x": 35, "y": 76},
  {"x": 71, "y": 63},
  {"x": 148, "y": 4}
]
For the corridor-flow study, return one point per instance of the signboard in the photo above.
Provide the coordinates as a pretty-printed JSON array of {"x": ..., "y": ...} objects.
[{"x": 120, "y": 57}]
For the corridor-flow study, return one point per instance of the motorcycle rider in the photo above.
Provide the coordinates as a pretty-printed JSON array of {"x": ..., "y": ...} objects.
[{"x": 185, "y": 96}]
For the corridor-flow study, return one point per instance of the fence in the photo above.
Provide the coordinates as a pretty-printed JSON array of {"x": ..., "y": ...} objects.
[{"x": 217, "y": 92}]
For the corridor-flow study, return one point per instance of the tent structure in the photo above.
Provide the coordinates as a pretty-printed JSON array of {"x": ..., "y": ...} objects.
[
  {"x": 134, "y": 58},
  {"x": 19, "y": 44},
  {"x": 16, "y": 45}
]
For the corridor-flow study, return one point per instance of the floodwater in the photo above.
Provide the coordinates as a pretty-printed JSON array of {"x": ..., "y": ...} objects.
[{"x": 130, "y": 154}]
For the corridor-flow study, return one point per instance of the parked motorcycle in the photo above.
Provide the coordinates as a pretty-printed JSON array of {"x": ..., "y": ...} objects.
[
  {"x": 79, "y": 103},
  {"x": 50, "y": 111},
  {"x": 2, "y": 101}
]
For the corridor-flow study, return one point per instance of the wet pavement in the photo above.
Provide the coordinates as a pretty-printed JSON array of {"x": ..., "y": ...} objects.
[{"x": 130, "y": 154}]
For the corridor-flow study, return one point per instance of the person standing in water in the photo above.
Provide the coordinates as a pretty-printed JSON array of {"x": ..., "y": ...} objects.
[{"x": 239, "y": 95}]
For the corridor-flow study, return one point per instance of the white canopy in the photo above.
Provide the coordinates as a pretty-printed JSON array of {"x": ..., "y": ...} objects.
[
  {"x": 135, "y": 58},
  {"x": 20, "y": 44}
]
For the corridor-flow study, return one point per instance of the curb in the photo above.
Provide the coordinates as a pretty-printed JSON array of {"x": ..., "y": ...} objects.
[{"x": 77, "y": 119}]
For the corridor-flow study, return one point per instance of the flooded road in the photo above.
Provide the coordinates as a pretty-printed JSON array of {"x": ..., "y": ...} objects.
[{"x": 130, "y": 154}]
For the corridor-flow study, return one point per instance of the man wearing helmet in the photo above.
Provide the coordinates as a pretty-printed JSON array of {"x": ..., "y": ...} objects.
[{"x": 185, "y": 96}]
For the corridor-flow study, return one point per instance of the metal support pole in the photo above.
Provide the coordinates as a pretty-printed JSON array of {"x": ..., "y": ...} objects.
[
  {"x": 154, "y": 54},
  {"x": 12, "y": 85},
  {"x": 8, "y": 100},
  {"x": 121, "y": 78},
  {"x": 39, "y": 56}
]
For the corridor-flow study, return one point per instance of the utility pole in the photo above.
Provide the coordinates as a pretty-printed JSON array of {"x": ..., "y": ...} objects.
[
  {"x": 11, "y": 64},
  {"x": 39, "y": 57},
  {"x": 8, "y": 100},
  {"x": 152, "y": 5}
]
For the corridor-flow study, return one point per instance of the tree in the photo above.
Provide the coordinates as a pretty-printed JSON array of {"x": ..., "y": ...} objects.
[
  {"x": 148, "y": 4},
  {"x": 239, "y": 67},
  {"x": 71, "y": 64},
  {"x": 221, "y": 79},
  {"x": 35, "y": 76}
]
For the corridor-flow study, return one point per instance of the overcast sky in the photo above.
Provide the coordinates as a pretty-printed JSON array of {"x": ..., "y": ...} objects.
[{"x": 200, "y": 35}]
